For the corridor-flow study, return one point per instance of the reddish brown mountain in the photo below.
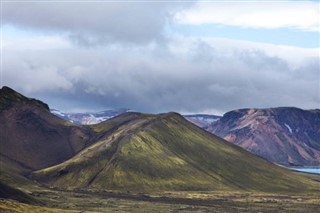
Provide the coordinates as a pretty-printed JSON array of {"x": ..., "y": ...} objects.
[
  {"x": 34, "y": 138},
  {"x": 286, "y": 135}
]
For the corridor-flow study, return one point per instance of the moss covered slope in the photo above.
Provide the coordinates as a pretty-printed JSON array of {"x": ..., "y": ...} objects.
[{"x": 137, "y": 152}]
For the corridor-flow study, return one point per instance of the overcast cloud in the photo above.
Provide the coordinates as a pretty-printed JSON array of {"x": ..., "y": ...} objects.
[
  {"x": 118, "y": 55},
  {"x": 93, "y": 23}
]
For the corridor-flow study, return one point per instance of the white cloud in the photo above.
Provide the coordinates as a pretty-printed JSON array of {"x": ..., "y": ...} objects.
[{"x": 302, "y": 15}]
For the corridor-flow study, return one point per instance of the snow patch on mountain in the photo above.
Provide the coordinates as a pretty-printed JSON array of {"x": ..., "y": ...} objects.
[
  {"x": 89, "y": 118},
  {"x": 202, "y": 120},
  {"x": 288, "y": 127}
]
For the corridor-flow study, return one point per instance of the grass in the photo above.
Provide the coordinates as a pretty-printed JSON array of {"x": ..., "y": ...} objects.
[
  {"x": 16, "y": 207},
  {"x": 176, "y": 201}
]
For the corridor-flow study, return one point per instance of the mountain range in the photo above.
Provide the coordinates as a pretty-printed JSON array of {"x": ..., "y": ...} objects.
[
  {"x": 286, "y": 135},
  {"x": 130, "y": 152},
  {"x": 134, "y": 162}
]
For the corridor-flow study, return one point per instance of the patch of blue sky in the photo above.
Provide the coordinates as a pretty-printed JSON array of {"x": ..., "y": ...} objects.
[
  {"x": 282, "y": 36},
  {"x": 17, "y": 32}
]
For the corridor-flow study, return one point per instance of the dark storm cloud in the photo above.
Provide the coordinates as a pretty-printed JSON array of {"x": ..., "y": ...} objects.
[
  {"x": 92, "y": 23},
  {"x": 158, "y": 79}
]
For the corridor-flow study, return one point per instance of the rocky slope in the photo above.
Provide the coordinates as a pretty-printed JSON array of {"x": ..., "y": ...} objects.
[{"x": 288, "y": 136}]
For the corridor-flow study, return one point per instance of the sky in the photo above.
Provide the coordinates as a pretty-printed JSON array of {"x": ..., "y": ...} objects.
[{"x": 159, "y": 56}]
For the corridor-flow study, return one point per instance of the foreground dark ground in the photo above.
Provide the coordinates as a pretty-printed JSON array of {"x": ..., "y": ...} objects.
[
  {"x": 204, "y": 202},
  {"x": 51, "y": 200}
]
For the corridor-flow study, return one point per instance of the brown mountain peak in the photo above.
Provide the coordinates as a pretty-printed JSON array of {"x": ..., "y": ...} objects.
[{"x": 8, "y": 97}]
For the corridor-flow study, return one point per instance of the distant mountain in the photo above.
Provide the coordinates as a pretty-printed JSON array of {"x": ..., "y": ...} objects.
[
  {"x": 89, "y": 118},
  {"x": 202, "y": 120},
  {"x": 131, "y": 152},
  {"x": 286, "y": 135}
]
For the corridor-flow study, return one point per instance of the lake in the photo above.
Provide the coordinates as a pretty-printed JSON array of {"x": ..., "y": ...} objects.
[{"x": 311, "y": 169}]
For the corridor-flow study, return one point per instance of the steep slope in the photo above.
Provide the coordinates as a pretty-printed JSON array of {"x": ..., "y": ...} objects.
[
  {"x": 288, "y": 136},
  {"x": 34, "y": 138},
  {"x": 141, "y": 152}
]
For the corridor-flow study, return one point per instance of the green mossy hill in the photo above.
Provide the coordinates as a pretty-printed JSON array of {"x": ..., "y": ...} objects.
[
  {"x": 143, "y": 153},
  {"x": 9, "y": 96}
]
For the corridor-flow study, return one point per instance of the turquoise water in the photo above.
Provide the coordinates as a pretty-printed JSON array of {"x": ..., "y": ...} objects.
[{"x": 313, "y": 169}]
